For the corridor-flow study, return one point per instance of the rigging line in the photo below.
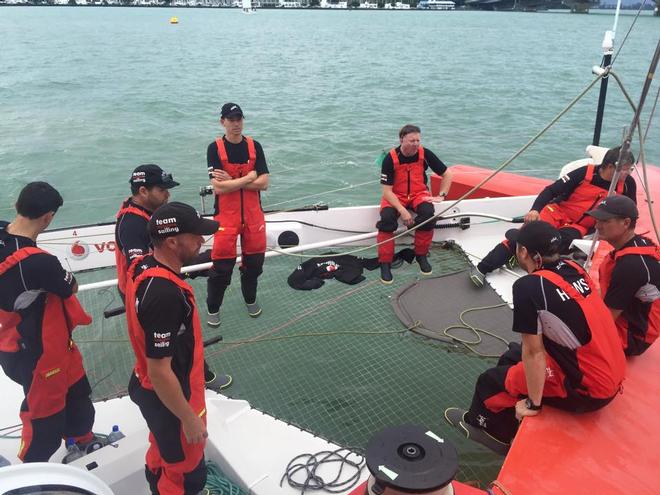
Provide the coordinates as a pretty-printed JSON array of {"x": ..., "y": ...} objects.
[
  {"x": 642, "y": 139},
  {"x": 352, "y": 186},
  {"x": 639, "y": 11},
  {"x": 485, "y": 180}
]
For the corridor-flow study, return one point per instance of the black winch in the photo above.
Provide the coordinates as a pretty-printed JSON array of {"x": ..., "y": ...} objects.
[{"x": 410, "y": 459}]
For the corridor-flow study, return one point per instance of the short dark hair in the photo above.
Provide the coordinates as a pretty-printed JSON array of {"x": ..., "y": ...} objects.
[
  {"x": 38, "y": 198},
  {"x": 612, "y": 156},
  {"x": 408, "y": 129}
]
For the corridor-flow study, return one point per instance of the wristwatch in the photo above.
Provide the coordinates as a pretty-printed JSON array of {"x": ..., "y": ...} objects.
[
  {"x": 443, "y": 194},
  {"x": 531, "y": 406}
]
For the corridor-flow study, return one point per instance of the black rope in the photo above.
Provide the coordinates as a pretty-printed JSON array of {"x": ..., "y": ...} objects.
[{"x": 309, "y": 465}]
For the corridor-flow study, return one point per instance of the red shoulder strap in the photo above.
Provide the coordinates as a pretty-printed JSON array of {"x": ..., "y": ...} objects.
[
  {"x": 252, "y": 151},
  {"x": 222, "y": 151},
  {"x": 620, "y": 185},
  {"x": 590, "y": 173},
  {"x": 420, "y": 156},
  {"x": 160, "y": 272},
  {"x": 642, "y": 250},
  {"x": 130, "y": 209},
  {"x": 395, "y": 157},
  {"x": 17, "y": 256}
]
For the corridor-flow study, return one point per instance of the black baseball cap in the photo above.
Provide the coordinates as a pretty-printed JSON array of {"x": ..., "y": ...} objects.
[
  {"x": 152, "y": 175},
  {"x": 615, "y": 207},
  {"x": 179, "y": 218},
  {"x": 231, "y": 110},
  {"x": 538, "y": 237}
]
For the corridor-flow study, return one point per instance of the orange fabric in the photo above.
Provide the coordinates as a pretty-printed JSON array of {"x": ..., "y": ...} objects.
[
  {"x": 409, "y": 177},
  {"x": 605, "y": 277},
  {"x": 239, "y": 212},
  {"x": 572, "y": 211},
  {"x": 120, "y": 260},
  {"x": 601, "y": 360}
]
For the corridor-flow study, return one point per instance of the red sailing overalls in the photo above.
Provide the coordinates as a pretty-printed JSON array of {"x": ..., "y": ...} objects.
[
  {"x": 572, "y": 211},
  {"x": 410, "y": 188},
  {"x": 120, "y": 259},
  {"x": 58, "y": 367},
  {"x": 239, "y": 212},
  {"x": 622, "y": 324},
  {"x": 171, "y": 481},
  {"x": 601, "y": 361}
]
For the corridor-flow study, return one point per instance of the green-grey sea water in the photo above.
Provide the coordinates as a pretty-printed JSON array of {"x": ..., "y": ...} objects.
[{"x": 86, "y": 94}]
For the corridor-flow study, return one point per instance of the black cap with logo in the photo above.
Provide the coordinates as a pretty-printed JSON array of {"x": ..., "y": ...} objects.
[
  {"x": 230, "y": 110},
  {"x": 179, "y": 218},
  {"x": 615, "y": 207},
  {"x": 152, "y": 175},
  {"x": 538, "y": 237}
]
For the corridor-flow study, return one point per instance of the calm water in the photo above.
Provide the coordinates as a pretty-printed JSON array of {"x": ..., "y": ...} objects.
[{"x": 86, "y": 94}]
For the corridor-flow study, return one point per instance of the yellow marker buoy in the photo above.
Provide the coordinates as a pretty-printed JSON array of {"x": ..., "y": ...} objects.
[{"x": 174, "y": 20}]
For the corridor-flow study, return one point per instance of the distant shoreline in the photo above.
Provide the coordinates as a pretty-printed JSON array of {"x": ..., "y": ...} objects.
[{"x": 648, "y": 8}]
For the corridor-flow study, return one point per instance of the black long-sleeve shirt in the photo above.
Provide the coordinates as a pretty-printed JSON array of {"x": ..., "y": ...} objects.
[{"x": 563, "y": 187}]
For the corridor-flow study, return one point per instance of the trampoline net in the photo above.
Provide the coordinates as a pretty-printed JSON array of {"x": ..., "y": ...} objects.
[{"x": 335, "y": 361}]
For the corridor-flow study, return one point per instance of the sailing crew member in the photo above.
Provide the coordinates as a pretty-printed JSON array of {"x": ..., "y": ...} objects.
[
  {"x": 630, "y": 275},
  {"x": 167, "y": 382},
  {"x": 38, "y": 312},
  {"x": 571, "y": 356},
  {"x": 150, "y": 189},
  {"x": 403, "y": 176},
  {"x": 238, "y": 171},
  {"x": 564, "y": 204}
]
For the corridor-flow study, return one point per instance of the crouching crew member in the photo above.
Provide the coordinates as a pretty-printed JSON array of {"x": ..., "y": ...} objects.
[
  {"x": 150, "y": 187},
  {"x": 38, "y": 312},
  {"x": 164, "y": 328},
  {"x": 570, "y": 358},
  {"x": 403, "y": 176},
  {"x": 564, "y": 204},
  {"x": 238, "y": 171},
  {"x": 629, "y": 275}
]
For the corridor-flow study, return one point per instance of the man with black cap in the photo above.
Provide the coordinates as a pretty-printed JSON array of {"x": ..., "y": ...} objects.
[
  {"x": 38, "y": 313},
  {"x": 564, "y": 204},
  {"x": 164, "y": 328},
  {"x": 150, "y": 189},
  {"x": 570, "y": 357},
  {"x": 238, "y": 171},
  {"x": 629, "y": 275}
]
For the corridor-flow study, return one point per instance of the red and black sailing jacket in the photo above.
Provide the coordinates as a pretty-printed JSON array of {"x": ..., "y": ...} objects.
[
  {"x": 121, "y": 262},
  {"x": 645, "y": 327},
  {"x": 46, "y": 340},
  {"x": 600, "y": 363},
  {"x": 409, "y": 177},
  {"x": 192, "y": 383},
  {"x": 585, "y": 197}
]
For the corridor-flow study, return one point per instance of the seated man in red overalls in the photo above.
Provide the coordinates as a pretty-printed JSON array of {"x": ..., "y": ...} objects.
[
  {"x": 630, "y": 275},
  {"x": 238, "y": 171},
  {"x": 403, "y": 176},
  {"x": 564, "y": 204},
  {"x": 38, "y": 312},
  {"x": 570, "y": 358}
]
